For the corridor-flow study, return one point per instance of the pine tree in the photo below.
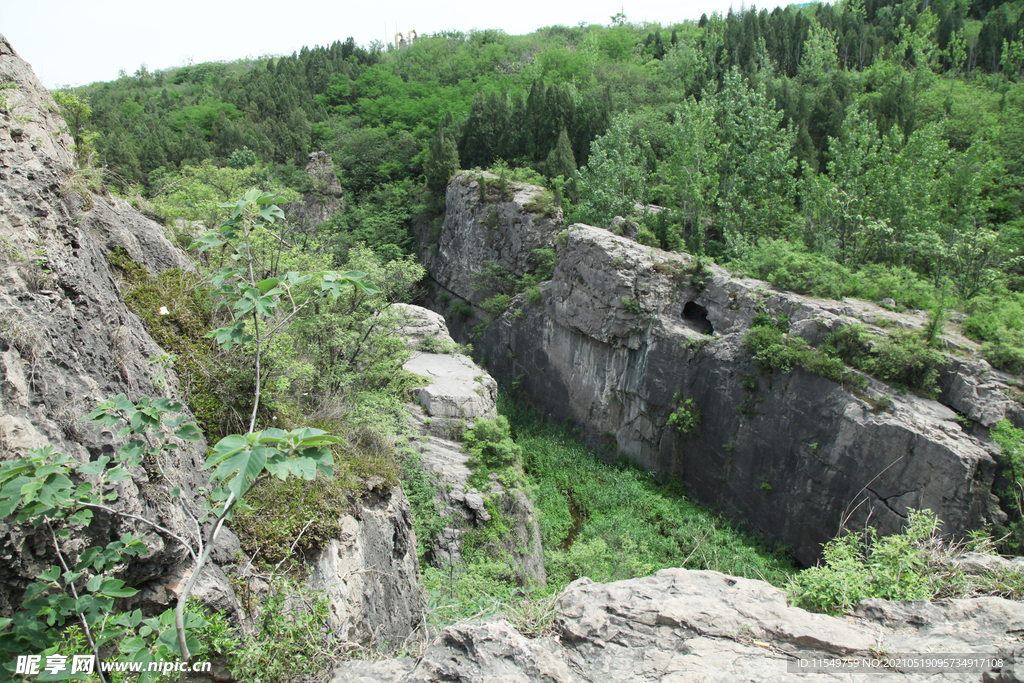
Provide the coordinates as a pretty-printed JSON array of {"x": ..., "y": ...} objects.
[
  {"x": 442, "y": 157},
  {"x": 562, "y": 162}
]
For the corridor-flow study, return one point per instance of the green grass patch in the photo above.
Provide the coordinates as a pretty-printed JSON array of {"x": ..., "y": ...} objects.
[{"x": 612, "y": 521}]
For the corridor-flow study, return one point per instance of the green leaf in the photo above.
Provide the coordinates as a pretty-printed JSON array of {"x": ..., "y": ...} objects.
[
  {"x": 246, "y": 465},
  {"x": 266, "y": 285},
  {"x": 94, "y": 467},
  {"x": 114, "y": 588},
  {"x": 188, "y": 432}
]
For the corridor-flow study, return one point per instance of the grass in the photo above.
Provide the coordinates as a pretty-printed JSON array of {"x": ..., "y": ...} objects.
[
  {"x": 603, "y": 521},
  {"x": 613, "y": 521}
]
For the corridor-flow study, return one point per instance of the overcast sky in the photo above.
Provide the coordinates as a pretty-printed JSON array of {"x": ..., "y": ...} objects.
[{"x": 76, "y": 42}]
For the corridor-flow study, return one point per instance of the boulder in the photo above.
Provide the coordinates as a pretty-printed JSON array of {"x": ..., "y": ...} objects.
[
  {"x": 681, "y": 625},
  {"x": 370, "y": 573}
]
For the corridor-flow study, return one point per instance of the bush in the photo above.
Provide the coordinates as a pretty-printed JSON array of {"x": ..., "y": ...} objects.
[
  {"x": 686, "y": 418},
  {"x": 913, "y": 565},
  {"x": 790, "y": 267},
  {"x": 999, "y": 322},
  {"x": 491, "y": 449},
  {"x": 461, "y": 309},
  {"x": 1011, "y": 445},
  {"x": 902, "y": 359},
  {"x": 496, "y": 305}
]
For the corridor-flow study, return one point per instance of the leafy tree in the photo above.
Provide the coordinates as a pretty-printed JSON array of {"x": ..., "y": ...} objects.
[
  {"x": 442, "y": 160},
  {"x": 755, "y": 169},
  {"x": 76, "y": 112},
  {"x": 614, "y": 181},
  {"x": 691, "y": 168}
]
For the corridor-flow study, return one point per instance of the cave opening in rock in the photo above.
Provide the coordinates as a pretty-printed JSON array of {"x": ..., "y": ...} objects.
[{"x": 696, "y": 317}]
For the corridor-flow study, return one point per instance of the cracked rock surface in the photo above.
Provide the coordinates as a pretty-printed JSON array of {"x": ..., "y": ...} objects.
[
  {"x": 681, "y": 625},
  {"x": 460, "y": 392}
]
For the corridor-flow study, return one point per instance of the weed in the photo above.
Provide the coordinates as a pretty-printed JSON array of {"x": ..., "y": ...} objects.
[
  {"x": 631, "y": 306},
  {"x": 685, "y": 418}
]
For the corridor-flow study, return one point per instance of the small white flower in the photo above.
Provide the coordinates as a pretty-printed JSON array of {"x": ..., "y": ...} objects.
[{"x": 163, "y": 311}]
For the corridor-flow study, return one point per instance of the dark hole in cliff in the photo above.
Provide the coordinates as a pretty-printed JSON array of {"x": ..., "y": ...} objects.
[{"x": 696, "y": 317}]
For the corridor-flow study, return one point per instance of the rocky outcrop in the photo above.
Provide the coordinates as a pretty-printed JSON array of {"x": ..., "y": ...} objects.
[
  {"x": 624, "y": 335},
  {"x": 503, "y": 231},
  {"x": 322, "y": 200},
  {"x": 681, "y": 625},
  {"x": 67, "y": 341},
  {"x": 66, "y": 338},
  {"x": 370, "y": 573},
  {"x": 621, "y": 333},
  {"x": 459, "y": 393}
]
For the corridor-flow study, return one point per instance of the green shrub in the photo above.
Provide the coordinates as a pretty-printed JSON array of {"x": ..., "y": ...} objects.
[
  {"x": 491, "y": 449},
  {"x": 544, "y": 261},
  {"x": 461, "y": 310},
  {"x": 631, "y": 305},
  {"x": 998, "y": 320},
  {"x": 788, "y": 266},
  {"x": 902, "y": 359},
  {"x": 686, "y": 418},
  {"x": 913, "y": 565},
  {"x": 1011, "y": 444},
  {"x": 496, "y": 305},
  {"x": 775, "y": 350}
]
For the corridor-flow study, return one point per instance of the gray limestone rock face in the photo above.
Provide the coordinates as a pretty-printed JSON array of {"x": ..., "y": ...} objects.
[
  {"x": 466, "y": 242},
  {"x": 622, "y": 333},
  {"x": 458, "y": 387},
  {"x": 622, "y": 330},
  {"x": 67, "y": 341},
  {"x": 370, "y": 573},
  {"x": 681, "y": 625},
  {"x": 423, "y": 328},
  {"x": 459, "y": 393},
  {"x": 323, "y": 200},
  {"x": 66, "y": 338}
]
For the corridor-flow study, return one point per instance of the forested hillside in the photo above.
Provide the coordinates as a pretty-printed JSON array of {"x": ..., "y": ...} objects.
[
  {"x": 860, "y": 149},
  {"x": 865, "y": 149}
]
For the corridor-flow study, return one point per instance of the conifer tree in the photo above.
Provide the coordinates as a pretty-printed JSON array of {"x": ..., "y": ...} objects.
[
  {"x": 442, "y": 157},
  {"x": 562, "y": 162}
]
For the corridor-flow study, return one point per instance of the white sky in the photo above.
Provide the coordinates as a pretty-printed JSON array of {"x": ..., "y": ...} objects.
[{"x": 76, "y": 42}]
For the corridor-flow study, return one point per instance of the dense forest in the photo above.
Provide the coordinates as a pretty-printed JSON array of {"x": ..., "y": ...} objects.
[{"x": 864, "y": 148}]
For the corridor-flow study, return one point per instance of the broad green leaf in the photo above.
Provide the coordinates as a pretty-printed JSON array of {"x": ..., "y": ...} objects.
[
  {"x": 94, "y": 467},
  {"x": 266, "y": 285}
]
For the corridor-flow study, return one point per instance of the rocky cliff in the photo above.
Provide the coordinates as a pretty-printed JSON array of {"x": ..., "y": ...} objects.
[
  {"x": 459, "y": 393},
  {"x": 67, "y": 340},
  {"x": 323, "y": 198},
  {"x": 622, "y": 336}
]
